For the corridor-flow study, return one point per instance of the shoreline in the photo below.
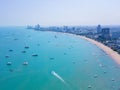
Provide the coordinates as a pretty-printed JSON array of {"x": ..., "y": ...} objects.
[{"x": 113, "y": 54}]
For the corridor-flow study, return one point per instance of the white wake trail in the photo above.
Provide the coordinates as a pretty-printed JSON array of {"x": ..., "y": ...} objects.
[
  {"x": 57, "y": 76},
  {"x": 68, "y": 87}
]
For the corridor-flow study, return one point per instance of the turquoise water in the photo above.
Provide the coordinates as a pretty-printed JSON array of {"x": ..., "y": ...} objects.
[{"x": 80, "y": 64}]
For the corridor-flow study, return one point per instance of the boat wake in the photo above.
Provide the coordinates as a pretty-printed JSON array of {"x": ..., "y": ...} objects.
[
  {"x": 68, "y": 87},
  {"x": 57, "y": 76}
]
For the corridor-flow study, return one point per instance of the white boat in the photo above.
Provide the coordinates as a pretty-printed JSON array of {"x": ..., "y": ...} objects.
[{"x": 25, "y": 63}]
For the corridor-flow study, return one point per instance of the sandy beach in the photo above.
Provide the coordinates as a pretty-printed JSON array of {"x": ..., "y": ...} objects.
[{"x": 114, "y": 55}]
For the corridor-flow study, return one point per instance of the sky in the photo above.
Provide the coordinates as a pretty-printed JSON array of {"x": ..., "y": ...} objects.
[{"x": 59, "y": 12}]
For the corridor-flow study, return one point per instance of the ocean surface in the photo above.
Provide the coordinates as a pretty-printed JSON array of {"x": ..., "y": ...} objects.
[{"x": 56, "y": 61}]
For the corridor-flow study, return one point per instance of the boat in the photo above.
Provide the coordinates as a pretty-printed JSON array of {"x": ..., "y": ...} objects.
[
  {"x": 34, "y": 55},
  {"x": 25, "y": 63},
  {"x": 9, "y": 63},
  {"x": 26, "y": 47}
]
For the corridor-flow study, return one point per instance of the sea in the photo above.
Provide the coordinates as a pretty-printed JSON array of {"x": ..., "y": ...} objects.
[{"x": 44, "y": 60}]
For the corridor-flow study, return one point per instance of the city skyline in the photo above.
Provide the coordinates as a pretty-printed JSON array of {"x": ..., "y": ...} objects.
[{"x": 59, "y": 12}]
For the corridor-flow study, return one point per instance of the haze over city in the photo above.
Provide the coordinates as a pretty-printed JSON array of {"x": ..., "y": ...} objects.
[{"x": 59, "y": 12}]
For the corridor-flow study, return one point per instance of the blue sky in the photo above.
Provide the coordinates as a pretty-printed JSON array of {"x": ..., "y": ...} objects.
[{"x": 59, "y": 12}]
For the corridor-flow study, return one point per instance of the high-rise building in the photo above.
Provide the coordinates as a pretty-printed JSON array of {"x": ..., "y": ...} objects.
[
  {"x": 105, "y": 33},
  {"x": 99, "y": 29},
  {"x": 37, "y": 27}
]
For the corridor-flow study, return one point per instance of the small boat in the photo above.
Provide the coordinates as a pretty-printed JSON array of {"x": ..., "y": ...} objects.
[
  {"x": 10, "y": 50},
  {"x": 26, "y": 47},
  {"x": 15, "y": 39},
  {"x": 104, "y": 72},
  {"x": 9, "y": 63},
  {"x": 23, "y": 51},
  {"x": 112, "y": 79},
  {"x": 51, "y": 58},
  {"x": 7, "y": 56},
  {"x": 25, "y": 63},
  {"x": 35, "y": 55},
  {"x": 89, "y": 86},
  {"x": 95, "y": 76}
]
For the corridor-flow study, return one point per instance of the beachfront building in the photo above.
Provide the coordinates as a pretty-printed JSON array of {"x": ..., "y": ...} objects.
[
  {"x": 99, "y": 29},
  {"x": 65, "y": 28},
  {"x": 115, "y": 35},
  {"x": 105, "y": 33},
  {"x": 37, "y": 27}
]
